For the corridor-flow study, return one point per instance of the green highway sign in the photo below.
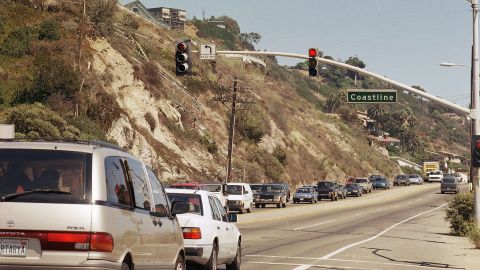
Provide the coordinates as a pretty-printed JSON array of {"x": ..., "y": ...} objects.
[{"x": 371, "y": 96}]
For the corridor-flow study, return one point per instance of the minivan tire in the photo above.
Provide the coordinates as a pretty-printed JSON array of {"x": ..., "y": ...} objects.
[
  {"x": 212, "y": 262},
  {"x": 125, "y": 266},
  {"x": 237, "y": 262},
  {"x": 180, "y": 263}
]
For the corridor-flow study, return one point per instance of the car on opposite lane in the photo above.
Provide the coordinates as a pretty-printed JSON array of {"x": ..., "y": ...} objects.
[
  {"x": 365, "y": 184},
  {"x": 327, "y": 190},
  {"x": 381, "y": 182},
  {"x": 304, "y": 194},
  {"x": 271, "y": 194},
  {"x": 354, "y": 189},
  {"x": 415, "y": 179},
  {"x": 210, "y": 237},
  {"x": 401, "y": 180}
]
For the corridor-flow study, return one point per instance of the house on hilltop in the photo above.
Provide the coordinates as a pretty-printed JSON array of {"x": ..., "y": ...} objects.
[{"x": 168, "y": 17}]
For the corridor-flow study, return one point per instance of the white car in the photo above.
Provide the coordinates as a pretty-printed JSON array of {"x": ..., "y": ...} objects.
[
  {"x": 210, "y": 237},
  {"x": 415, "y": 179},
  {"x": 240, "y": 197},
  {"x": 217, "y": 190}
]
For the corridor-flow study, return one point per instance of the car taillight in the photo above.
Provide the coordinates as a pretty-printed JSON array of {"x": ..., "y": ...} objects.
[
  {"x": 102, "y": 242},
  {"x": 67, "y": 241},
  {"x": 192, "y": 233}
]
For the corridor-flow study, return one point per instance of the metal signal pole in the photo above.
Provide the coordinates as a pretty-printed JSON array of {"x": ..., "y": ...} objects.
[
  {"x": 231, "y": 132},
  {"x": 475, "y": 106}
]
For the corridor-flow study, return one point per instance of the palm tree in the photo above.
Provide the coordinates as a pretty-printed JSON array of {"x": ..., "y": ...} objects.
[{"x": 376, "y": 111}]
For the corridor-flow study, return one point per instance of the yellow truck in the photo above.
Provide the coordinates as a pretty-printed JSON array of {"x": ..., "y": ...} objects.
[{"x": 429, "y": 166}]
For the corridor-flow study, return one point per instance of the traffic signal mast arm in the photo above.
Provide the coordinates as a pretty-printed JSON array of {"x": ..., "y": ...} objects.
[{"x": 451, "y": 105}]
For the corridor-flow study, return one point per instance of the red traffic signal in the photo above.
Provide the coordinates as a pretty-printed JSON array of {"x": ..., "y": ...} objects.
[
  {"x": 477, "y": 144},
  {"x": 182, "y": 46},
  {"x": 312, "y": 52}
]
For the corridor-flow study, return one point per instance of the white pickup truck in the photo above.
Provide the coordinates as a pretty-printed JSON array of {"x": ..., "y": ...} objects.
[{"x": 435, "y": 176}]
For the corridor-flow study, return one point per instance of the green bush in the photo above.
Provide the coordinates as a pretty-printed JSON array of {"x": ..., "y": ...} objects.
[
  {"x": 17, "y": 42},
  {"x": 35, "y": 121},
  {"x": 268, "y": 162},
  {"x": 3, "y": 21},
  {"x": 474, "y": 235},
  {"x": 49, "y": 31},
  {"x": 210, "y": 143},
  {"x": 252, "y": 124},
  {"x": 212, "y": 31},
  {"x": 52, "y": 76},
  {"x": 281, "y": 154},
  {"x": 460, "y": 214}
]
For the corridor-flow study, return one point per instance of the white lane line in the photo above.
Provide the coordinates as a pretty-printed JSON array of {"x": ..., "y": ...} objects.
[
  {"x": 303, "y": 267},
  {"x": 316, "y": 265},
  {"x": 331, "y": 254},
  {"x": 338, "y": 260},
  {"x": 300, "y": 228}
]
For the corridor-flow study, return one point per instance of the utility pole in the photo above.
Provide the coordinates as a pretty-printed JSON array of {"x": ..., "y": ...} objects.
[
  {"x": 231, "y": 132},
  {"x": 474, "y": 106}
]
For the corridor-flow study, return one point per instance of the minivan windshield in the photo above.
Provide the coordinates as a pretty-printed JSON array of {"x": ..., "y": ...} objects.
[
  {"x": 234, "y": 189},
  {"x": 448, "y": 180},
  {"x": 436, "y": 173},
  {"x": 65, "y": 174}
]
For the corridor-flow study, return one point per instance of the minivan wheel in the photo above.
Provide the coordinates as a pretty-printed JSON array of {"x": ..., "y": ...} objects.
[
  {"x": 179, "y": 264},
  {"x": 125, "y": 266},
  {"x": 212, "y": 262},
  {"x": 237, "y": 262}
]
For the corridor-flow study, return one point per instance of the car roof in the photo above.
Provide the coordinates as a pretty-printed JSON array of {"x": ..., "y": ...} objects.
[
  {"x": 187, "y": 191},
  {"x": 185, "y": 184}
]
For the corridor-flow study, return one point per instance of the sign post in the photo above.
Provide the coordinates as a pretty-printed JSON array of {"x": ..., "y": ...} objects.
[{"x": 371, "y": 96}]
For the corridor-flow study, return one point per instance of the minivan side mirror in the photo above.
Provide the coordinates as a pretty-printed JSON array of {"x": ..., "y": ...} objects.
[
  {"x": 179, "y": 208},
  {"x": 232, "y": 217}
]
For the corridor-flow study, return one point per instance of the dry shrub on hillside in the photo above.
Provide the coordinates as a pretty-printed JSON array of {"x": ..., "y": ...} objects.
[
  {"x": 101, "y": 14},
  {"x": 104, "y": 109},
  {"x": 348, "y": 114},
  {"x": 151, "y": 121}
]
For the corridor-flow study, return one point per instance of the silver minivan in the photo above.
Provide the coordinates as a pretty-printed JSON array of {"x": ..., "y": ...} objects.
[{"x": 86, "y": 205}]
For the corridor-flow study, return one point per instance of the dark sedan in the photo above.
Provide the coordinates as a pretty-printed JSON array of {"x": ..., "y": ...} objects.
[
  {"x": 354, "y": 189},
  {"x": 327, "y": 190}
]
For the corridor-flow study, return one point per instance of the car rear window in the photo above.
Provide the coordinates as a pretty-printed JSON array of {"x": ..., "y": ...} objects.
[
  {"x": 23, "y": 170},
  {"x": 213, "y": 188},
  {"x": 435, "y": 173},
  {"x": 448, "y": 180},
  {"x": 361, "y": 180},
  {"x": 303, "y": 190},
  {"x": 256, "y": 187},
  {"x": 194, "y": 201},
  {"x": 271, "y": 188}
]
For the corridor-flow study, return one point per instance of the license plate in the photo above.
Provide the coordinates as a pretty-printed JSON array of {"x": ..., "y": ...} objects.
[{"x": 13, "y": 247}]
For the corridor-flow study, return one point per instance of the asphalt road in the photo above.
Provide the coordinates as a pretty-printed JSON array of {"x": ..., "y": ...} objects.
[{"x": 402, "y": 228}]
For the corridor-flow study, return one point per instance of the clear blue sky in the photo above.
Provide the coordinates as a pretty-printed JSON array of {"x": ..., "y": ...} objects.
[{"x": 404, "y": 40}]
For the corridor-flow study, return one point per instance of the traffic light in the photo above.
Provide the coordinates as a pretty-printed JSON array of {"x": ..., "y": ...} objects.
[
  {"x": 312, "y": 62},
  {"x": 476, "y": 151},
  {"x": 183, "y": 61}
]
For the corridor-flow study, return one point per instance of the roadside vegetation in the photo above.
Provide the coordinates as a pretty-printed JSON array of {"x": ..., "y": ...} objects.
[{"x": 460, "y": 214}]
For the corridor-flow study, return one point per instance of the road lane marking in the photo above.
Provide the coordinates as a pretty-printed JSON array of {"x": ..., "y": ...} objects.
[
  {"x": 303, "y": 267},
  {"x": 331, "y": 254},
  {"x": 338, "y": 260},
  {"x": 316, "y": 265},
  {"x": 300, "y": 228}
]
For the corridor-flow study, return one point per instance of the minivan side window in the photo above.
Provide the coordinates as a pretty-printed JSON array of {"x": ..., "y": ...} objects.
[
  {"x": 118, "y": 190},
  {"x": 159, "y": 198},
  {"x": 140, "y": 184}
]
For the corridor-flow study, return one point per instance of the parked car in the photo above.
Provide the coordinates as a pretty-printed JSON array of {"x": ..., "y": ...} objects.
[
  {"x": 415, "y": 179},
  {"x": 84, "y": 206},
  {"x": 287, "y": 189},
  {"x": 327, "y": 190},
  {"x": 372, "y": 177},
  {"x": 449, "y": 184},
  {"x": 381, "y": 182},
  {"x": 209, "y": 234},
  {"x": 218, "y": 189},
  {"x": 401, "y": 180},
  {"x": 342, "y": 191},
  {"x": 354, "y": 189},
  {"x": 271, "y": 194},
  {"x": 365, "y": 184},
  {"x": 240, "y": 197},
  {"x": 255, "y": 188},
  {"x": 188, "y": 185},
  {"x": 435, "y": 176},
  {"x": 305, "y": 194}
]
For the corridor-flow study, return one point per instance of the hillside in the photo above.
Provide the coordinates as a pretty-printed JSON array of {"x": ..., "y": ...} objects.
[{"x": 119, "y": 85}]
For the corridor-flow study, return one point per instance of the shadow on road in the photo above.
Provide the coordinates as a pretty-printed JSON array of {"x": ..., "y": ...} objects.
[{"x": 376, "y": 251}]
